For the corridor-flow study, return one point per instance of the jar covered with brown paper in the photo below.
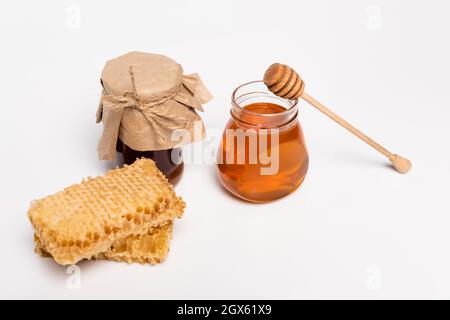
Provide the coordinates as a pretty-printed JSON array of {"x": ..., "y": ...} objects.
[{"x": 148, "y": 108}]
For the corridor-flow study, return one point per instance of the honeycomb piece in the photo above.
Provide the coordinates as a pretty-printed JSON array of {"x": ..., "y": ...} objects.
[
  {"x": 151, "y": 247},
  {"x": 86, "y": 219}
]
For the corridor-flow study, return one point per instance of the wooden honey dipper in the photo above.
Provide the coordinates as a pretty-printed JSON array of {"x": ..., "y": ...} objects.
[{"x": 284, "y": 82}]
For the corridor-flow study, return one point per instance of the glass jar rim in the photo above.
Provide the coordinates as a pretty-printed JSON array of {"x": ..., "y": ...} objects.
[{"x": 277, "y": 118}]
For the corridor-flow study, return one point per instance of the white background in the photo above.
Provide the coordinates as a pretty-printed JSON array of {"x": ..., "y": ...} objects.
[{"x": 355, "y": 229}]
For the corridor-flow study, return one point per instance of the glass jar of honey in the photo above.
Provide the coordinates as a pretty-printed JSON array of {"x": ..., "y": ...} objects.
[
  {"x": 147, "y": 103},
  {"x": 262, "y": 155}
]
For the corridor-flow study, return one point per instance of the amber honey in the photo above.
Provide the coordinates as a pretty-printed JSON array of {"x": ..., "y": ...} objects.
[
  {"x": 248, "y": 174},
  {"x": 169, "y": 162}
]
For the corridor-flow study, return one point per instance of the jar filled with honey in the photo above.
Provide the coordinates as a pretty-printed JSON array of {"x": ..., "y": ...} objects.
[
  {"x": 262, "y": 155},
  {"x": 147, "y": 104}
]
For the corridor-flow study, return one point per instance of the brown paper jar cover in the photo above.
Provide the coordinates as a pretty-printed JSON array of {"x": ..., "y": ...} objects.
[{"x": 145, "y": 99}]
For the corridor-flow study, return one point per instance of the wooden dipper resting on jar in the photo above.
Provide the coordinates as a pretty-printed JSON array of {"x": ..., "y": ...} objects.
[{"x": 284, "y": 82}]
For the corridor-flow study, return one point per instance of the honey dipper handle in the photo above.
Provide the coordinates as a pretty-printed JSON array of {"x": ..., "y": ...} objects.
[{"x": 400, "y": 164}]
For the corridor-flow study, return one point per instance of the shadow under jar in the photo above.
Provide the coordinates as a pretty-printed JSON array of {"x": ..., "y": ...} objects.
[{"x": 262, "y": 155}]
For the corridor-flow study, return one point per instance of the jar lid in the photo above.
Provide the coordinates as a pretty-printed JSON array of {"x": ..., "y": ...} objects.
[
  {"x": 155, "y": 76},
  {"x": 145, "y": 99}
]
